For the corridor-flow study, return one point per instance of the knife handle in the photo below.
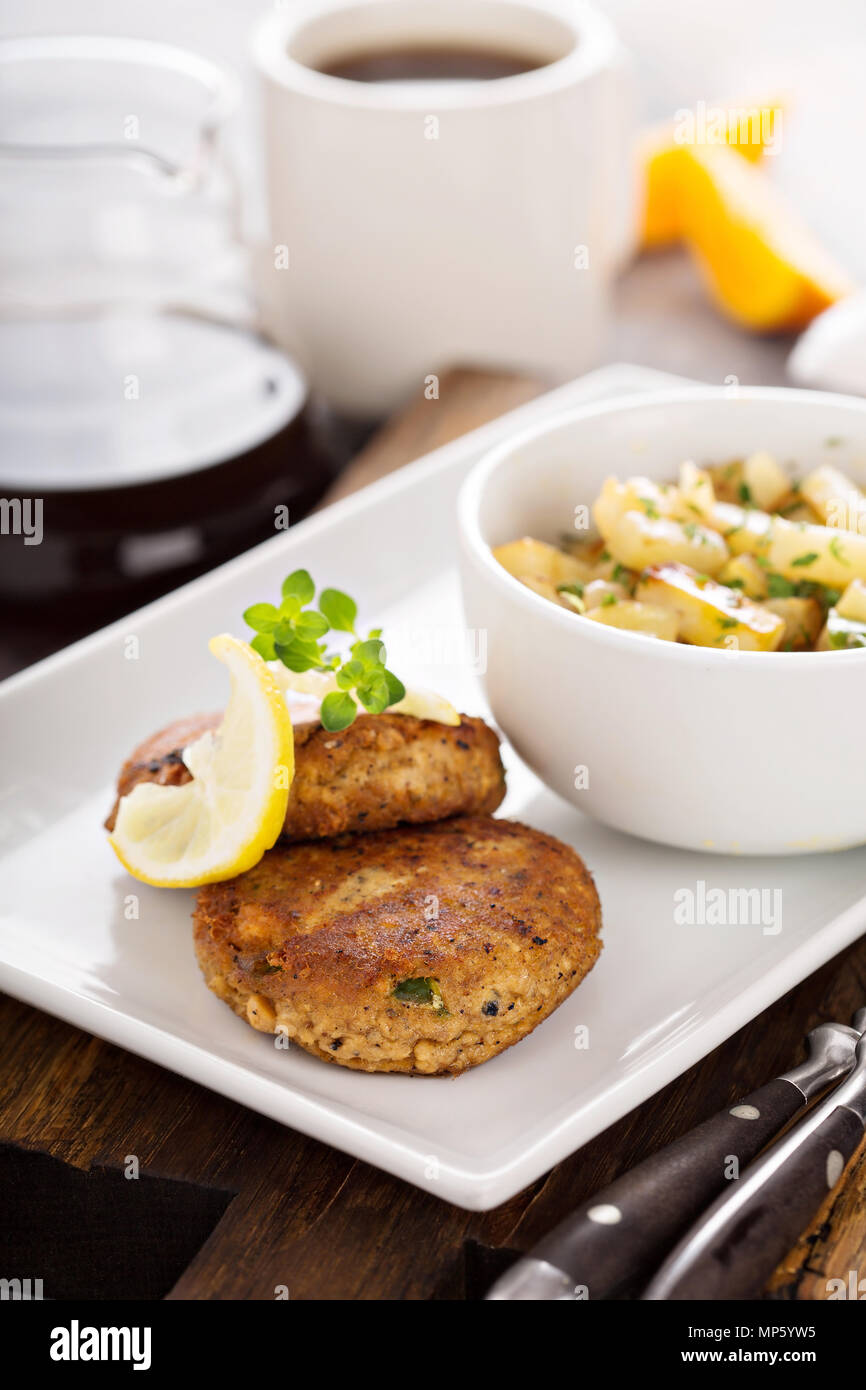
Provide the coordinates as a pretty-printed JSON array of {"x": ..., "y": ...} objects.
[
  {"x": 734, "y": 1249},
  {"x": 618, "y": 1237}
]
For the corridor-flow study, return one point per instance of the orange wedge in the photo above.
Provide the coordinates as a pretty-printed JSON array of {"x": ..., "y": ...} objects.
[
  {"x": 762, "y": 266},
  {"x": 745, "y": 128}
]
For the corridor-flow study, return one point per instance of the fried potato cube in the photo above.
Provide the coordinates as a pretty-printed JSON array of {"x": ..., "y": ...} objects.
[
  {"x": 581, "y": 547},
  {"x": 635, "y": 495},
  {"x": 697, "y": 497},
  {"x": 644, "y": 618},
  {"x": 528, "y": 559},
  {"x": 603, "y": 591},
  {"x": 638, "y": 540},
  {"x": 545, "y": 589},
  {"x": 852, "y": 604},
  {"x": 802, "y": 618},
  {"x": 610, "y": 571},
  {"x": 745, "y": 530},
  {"x": 796, "y": 510},
  {"x": 599, "y": 562},
  {"x": 743, "y": 572},
  {"x": 823, "y": 554},
  {"x": 727, "y": 480},
  {"x": 835, "y": 498},
  {"x": 765, "y": 482},
  {"x": 710, "y": 614}
]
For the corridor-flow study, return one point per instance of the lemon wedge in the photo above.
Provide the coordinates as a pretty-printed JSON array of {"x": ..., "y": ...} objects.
[
  {"x": 422, "y": 704},
  {"x": 426, "y": 704},
  {"x": 222, "y": 822}
]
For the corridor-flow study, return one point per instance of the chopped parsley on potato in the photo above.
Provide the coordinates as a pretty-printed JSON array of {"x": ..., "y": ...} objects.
[{"x": 733, "y": 556}]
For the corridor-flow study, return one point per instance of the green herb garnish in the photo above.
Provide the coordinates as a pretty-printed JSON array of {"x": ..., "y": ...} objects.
[
  {"x": 608, "y": 600},
  {"x": 292, "y": 633},
  {"x": 573, "y": 593},
  {"x": 420, "y": 990},
  {"x": 836, "y": 550},
  {"x": 744, "y": 493},
  {"x": 780, "y": 587},
  {"x": 844, "y": 633},
  {"x": 808, "y": 559}
]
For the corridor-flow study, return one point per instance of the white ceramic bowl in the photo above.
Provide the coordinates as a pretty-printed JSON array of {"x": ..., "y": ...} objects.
[{"x": 744, "y": 753}]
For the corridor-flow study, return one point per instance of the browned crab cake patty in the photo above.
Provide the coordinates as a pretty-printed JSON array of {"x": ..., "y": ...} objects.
[
  {"x": 384, "y": 770},
  {"x": 426, "y": 949}
]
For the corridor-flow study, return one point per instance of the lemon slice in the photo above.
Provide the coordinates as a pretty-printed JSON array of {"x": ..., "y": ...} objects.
[
  {"x": 426, "y": 704},
  {"x": 422, "y": 704},
  {"x": 222, "y": 822}
]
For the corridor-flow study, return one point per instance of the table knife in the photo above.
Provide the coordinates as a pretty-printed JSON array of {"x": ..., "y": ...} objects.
[
  {"x": 613, "y": 1242},
  {"x": 732, "y": 1251}
]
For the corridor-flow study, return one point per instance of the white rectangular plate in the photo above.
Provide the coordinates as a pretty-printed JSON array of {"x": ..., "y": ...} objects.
[{"x": 661, "y": 996}]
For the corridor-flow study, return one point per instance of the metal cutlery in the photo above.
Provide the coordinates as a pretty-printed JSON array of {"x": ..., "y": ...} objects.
[
  {"x": 732, "y": 1251},
  {"x": 613, "y": 1242}
]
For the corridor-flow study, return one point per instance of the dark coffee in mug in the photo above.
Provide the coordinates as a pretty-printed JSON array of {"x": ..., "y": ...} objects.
[{"x": 430, "y": 63}]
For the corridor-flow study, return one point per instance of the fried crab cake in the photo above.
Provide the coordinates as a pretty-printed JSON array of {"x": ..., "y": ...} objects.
[
  {"x": 426, "y": 949},
  {"x": 384, "y": 770}
]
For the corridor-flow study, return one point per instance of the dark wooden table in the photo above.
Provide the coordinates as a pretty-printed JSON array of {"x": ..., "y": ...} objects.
[{"x": 277, "y": 1211}]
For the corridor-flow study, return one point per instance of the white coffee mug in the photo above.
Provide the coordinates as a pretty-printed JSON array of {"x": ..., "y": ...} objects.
[{"x": 422, "y": 224}]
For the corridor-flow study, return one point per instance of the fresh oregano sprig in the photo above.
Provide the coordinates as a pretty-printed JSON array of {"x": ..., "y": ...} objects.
[{"x": 292, "y": 633}]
